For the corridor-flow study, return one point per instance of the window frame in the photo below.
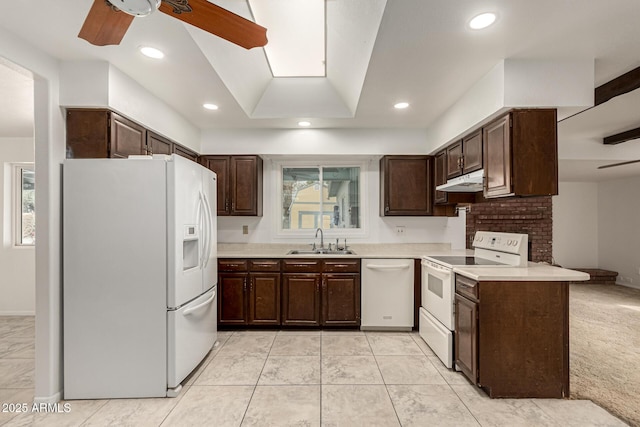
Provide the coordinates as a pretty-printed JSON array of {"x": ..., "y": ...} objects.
[
  {"x": 17, "y": 173},
  {"x": 328, "y": 232}
]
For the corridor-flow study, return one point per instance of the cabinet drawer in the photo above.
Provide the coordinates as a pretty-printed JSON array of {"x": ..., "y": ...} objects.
[
  {"x": 264, "y": 265},
  {"x": 301, "y": 265},
  {"x": 467, "y": 287},
  {"x": 342, "y": 265},
  {"x": 232, "y": 265}
]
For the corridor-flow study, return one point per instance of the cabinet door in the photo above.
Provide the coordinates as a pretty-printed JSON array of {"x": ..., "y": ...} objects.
[
  {"x": 246, "y": 185},
  {"x": 87, "y": 134},
  {"x": 301, "y": 299},
  {"x": 220, "y": 165},
  {"x": 406, "y": 186},
  {"x": 264, "y": 299},
  {"x": 341, "y": 299},
  {"x": 454, "y": 160},
  {"x": 232, "y": 307},
  {"x": 127, "y": 138},
  {"x": 157, "y": 144},
  {"x": 466, "y": 337},
  {"x": 185, "y": 152},
  {"x": 472, "y": 152},
  {"x": 441, "y": 176},
  {"x": 497, "y": 158}
]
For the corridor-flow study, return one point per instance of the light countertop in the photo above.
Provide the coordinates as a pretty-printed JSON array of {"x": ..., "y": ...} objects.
[
  {"x": 371, "y": 250},
  {"x": 534, "y": 272}
]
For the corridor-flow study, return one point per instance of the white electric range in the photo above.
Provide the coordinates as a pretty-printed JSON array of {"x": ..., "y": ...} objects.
[{"x": 491, "y": 249}]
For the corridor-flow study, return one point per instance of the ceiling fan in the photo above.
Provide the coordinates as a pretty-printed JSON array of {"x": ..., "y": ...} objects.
[
  {"x": 619, "y": 164},
  {"x": 108, "y": 20}
]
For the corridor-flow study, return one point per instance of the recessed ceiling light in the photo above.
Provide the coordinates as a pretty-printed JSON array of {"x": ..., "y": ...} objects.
[
  {"x": 210, "y": 106},
  {"x": 401, "y": 105},
  {"x": 482, "y": 21},
  {"x": 304, "y": 123},
  {"x": 151, "y": 52}
]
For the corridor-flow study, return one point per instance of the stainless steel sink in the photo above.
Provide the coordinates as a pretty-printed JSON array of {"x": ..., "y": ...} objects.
[{"x": 320, "y": 252}]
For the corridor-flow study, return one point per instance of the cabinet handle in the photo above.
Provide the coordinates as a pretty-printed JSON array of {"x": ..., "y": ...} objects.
[
  {"x": 386, "y": 209},
  {"x": 245, "y": 285},
  {"x": 226, "y": 204}
]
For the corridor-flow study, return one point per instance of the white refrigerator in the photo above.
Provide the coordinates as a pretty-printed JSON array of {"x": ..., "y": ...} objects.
[{"x": 139, "y": 274}]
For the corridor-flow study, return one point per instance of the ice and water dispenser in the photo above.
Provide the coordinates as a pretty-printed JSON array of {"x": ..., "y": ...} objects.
[{"x": 190, "y": 247}]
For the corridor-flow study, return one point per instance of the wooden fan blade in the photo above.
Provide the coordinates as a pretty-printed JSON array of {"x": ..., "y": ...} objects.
[
  {"x": 104, "y": 25},
  {"x": 619, "y": 164},
  {"x": 218, "y": 21}
]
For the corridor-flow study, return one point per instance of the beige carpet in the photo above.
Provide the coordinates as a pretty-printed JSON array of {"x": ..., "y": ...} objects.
[{"x": 605, "y": 348}]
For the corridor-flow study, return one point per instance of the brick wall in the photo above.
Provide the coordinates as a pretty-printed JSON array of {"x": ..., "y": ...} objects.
[{"x": 530, "y": 215}]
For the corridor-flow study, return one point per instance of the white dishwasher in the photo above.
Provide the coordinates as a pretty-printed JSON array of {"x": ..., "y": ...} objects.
[{"x": 387, "y": 294}]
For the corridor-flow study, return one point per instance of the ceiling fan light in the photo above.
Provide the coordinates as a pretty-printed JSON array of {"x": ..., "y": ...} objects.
[
  {"x": 482, "y": 21},
  {"x": 136, "y": 7}
]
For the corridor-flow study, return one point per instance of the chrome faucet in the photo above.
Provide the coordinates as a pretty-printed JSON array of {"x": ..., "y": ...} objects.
[{"x": 321, "y": 237}]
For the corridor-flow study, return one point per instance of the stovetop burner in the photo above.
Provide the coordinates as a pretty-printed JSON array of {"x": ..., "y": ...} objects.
[{"x": 464, "y": 260}]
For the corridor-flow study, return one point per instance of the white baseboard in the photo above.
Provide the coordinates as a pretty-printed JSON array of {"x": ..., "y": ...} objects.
[
  {"x": 48, "y": 399},
  {"x": 628, "y": 285}
]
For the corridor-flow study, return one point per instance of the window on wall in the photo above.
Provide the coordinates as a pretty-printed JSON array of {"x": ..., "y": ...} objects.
[
  {"x": 25, "y": 215},
  {"x": 321, "y": 196}
]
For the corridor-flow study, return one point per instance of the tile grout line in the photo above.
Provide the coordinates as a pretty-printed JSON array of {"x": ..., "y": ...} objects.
[
  {"x": 258, "y": 380},
  {"x": 384, "y": 382}
]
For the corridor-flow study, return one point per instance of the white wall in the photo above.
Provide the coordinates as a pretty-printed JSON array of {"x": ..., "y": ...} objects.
[
  {"x": 49, "y": 154},
  {"x": 17, "y": 264},
  {"x": 619, "y": 229},
  {"x": 379, "y": 229},
  {"x": 575, "y": 225}
]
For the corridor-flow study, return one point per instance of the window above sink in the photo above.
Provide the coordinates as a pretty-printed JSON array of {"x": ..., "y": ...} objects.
[{"x": 320, "y": 194}]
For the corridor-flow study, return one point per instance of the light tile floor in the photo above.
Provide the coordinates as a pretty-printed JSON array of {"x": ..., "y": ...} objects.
[{"x": 292, "y": 378}]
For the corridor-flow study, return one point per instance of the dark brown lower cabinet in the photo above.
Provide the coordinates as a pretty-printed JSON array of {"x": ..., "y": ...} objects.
[
  {"x": 232, "y": 308},
  {"x": 289, "y": 292},
  {"x": 301, "y": 299},
  {"x": 340, "y": 299},
  {"x": 466, "y": 337},
  {"x": 512, "y": 338},
  {"x": 249, "y": 292},
  {"x": 264, "y": 299}
]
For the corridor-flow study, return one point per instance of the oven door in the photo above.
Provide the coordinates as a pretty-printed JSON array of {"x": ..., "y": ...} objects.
[{"x": 437, "y": 292}]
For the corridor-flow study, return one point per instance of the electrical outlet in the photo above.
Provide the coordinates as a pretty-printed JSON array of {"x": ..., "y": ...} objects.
[
  {"x": 400, "y": 229},
  {"x": 245, "y": 229}
]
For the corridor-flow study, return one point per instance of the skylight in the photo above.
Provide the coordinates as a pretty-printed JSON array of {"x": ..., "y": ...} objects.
[{"x": 296, "y": 33}]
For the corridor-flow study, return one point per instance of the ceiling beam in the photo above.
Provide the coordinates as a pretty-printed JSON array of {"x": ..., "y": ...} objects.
[
  {"x": 618, "y": 86},
  {"x": 622, "y": 137}
]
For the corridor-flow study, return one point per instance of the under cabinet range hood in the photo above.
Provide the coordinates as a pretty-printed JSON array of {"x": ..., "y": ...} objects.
[{"x": 469, "y": 183}]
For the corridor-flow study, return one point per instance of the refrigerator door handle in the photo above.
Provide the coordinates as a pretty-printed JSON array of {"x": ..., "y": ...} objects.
[
  {"x": 199, "y": 213},
  {"x": 209, "y": 227},
  {"x": 189, "y": 311},
  {"x": 204, "y": 231}
]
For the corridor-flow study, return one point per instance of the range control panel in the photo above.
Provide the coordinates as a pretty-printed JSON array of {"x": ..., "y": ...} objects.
[{"x": 504, "y": 242}]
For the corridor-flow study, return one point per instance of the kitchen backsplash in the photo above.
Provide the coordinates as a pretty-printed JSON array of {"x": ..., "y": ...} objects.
[{"x": 530, "y": 215}]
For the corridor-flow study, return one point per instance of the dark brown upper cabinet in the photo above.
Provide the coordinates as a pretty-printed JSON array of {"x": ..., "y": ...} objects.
[
  {"x": 440, "y": 176},
  {"x": 239, "y": 184},
  {"x": 521, "y": 154},
  {"x": 465, "y": 156},
  {"x": 185, "y": 152},
  {"x": 158, "y": 144},
  {"x": 99, "y": 133},
  {"x": 406, "y": 186}
]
